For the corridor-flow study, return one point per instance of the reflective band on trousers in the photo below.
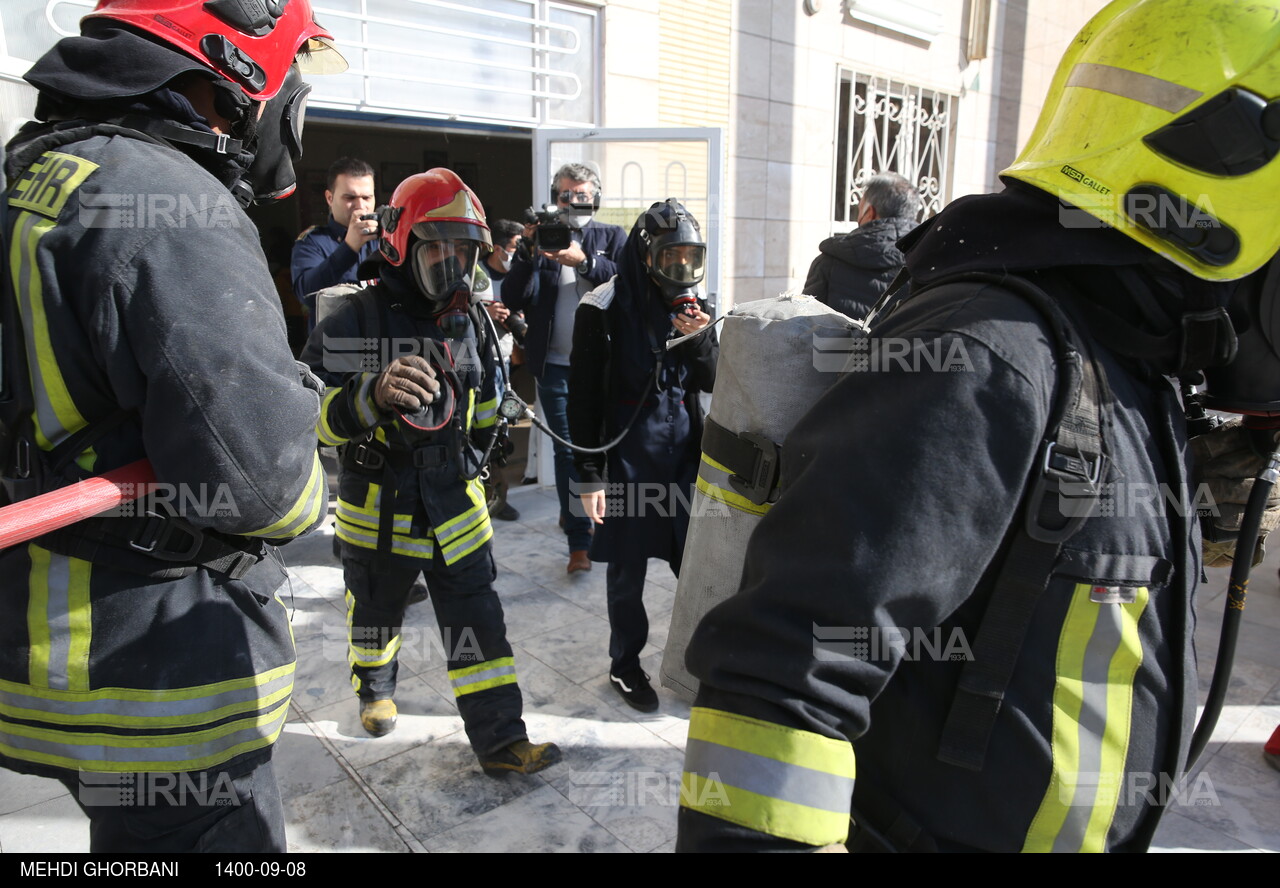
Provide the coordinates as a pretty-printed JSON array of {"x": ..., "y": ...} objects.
[
  {"x": 192, "y": 751},
  {"x": 781, "y": 781},
  {"x": 1099, "y": 652},
  {"x": 482, "y": 676},
  {"x": 136, "y": 708}
]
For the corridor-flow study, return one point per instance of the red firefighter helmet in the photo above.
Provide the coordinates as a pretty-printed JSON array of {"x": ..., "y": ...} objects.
[
  {"x": 251, "y": 42},
  {"x": 435, "y": 205}
]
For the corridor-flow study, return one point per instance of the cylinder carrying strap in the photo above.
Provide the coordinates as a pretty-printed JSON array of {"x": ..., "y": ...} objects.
[{"x": 753, "y": 460}]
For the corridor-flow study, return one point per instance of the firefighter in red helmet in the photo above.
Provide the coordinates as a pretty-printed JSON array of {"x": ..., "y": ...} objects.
[
  {"x": 415, "y": 418},
  {"x": 141, "y": 322}
]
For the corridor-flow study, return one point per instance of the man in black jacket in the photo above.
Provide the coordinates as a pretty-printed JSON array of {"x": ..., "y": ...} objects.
[
  {"x": 547, "y": 288},
  {"x": 852, "y": 270}
]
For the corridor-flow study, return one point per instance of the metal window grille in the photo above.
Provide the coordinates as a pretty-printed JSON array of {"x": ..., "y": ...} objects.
[{"x": 886, "y": 125}]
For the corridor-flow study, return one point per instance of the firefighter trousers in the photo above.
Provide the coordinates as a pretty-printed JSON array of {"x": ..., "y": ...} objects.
[{"x": 473, "y": 638}]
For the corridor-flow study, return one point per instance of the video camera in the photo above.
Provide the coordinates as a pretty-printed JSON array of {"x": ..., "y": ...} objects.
[
  {"x": 380, "y": 216},
  {"x": 553, "y": 232}
]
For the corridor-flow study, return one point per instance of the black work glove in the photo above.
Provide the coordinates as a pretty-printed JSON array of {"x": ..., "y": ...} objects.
[{"x": 1227, "y": 460}]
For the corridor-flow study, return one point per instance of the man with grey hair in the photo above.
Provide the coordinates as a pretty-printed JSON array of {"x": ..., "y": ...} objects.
[
  {"x": 547, "y": 286},
  {"x": 852, "y": 270}
]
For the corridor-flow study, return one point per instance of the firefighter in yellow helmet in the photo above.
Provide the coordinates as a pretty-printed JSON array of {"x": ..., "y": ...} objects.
[
  {"x": 415, "y": 426},
  {"x": 966, "y": 624}
]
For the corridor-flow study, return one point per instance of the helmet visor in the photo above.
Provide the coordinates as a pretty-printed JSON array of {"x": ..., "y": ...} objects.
[
  {"x": 681, "y": 263},
  {"x": 441, "y": 267},
  {"x": 318, "y": 55}
]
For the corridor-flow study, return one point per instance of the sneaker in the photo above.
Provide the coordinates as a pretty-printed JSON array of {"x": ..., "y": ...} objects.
[
  {"x": 419, "y": 592},
  {"x": 522, "y": 757},
  {"x": 378, "y": 716},
  {"x": 634, "y": 687}
]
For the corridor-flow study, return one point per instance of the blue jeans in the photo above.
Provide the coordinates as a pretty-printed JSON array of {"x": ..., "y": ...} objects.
[{"x": 553, "y": 395}]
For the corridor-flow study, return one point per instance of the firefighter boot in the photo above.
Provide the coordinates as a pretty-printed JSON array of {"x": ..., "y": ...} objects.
[
  {"x": 522, "y": 757},
  {"x": 378, "y": 716}
]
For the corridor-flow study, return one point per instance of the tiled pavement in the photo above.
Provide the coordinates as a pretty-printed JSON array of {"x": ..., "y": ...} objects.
[{"x": 419, "y": 789}]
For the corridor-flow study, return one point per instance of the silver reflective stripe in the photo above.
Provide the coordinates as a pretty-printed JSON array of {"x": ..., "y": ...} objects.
[
  {"x": 50, "y": 425},
  {"x": 363, "y": 399},
  {"x": 486, "y": 675},
  {"x": 1165, "y": 94},
  {"x": 58, "y": 611},
  {"x": 370, "y": 540},
  {"x": 768, "y": 777},
  {"x": 351, "y": 515},
  {"x": 315, "y": 491},
  {"x": 464, "y": 522},
  {"x": 83, "y": 710},
  {"x": 1091, "y": 725},
  {"x": 158, "y": 748}
]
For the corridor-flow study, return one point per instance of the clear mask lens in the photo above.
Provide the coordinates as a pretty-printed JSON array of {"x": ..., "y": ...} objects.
[
  {"x": 682, "y": 263},
  {"x": 439, "y": 266}
]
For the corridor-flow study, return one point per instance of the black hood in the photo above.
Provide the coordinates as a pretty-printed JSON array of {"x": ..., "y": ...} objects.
[
  {"x": 108, "y": 62},
  {"x": 1018, "y": 229},
  {"x": 1135, "y": 301},
  {"x": 870, "y": 246}
]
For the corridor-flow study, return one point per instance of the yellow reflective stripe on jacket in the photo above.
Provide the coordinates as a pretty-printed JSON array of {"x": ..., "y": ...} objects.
[
  {"x": 58, "y": 621},
  {"x": 366, "y": 656},
  {"x": 415, "y": 547},
  {"x": 126, "y": 708},
  {"x": 781, "y": 781},
  {"x": 713, "y": 481},
  {"x": 305, "y": 510},
  {"x": 324, "y": 432},
  {"x": 476, "y": 530},
  {"x": 144, "y": 752},
  {"x": 482, "y": 676},
  {"x": 368, "y": 518},
  {"x": 1099, "y": 653},
  {"x": 486, "y": 413},
  {"x": 55, "y": 416}
]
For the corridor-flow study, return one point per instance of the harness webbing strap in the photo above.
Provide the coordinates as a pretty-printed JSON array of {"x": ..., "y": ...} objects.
[{"x": 1063, "y": 491}]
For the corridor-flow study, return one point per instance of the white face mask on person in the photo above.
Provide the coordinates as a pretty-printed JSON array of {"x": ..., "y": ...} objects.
[
  {"x": 505, "y": 260},
  {"x": 575, "y": 221}
]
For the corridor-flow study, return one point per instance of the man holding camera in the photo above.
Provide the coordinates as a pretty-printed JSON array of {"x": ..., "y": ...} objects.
[
  {"x": 329, "y": 254},
  {"x": 549, "y": 299}
]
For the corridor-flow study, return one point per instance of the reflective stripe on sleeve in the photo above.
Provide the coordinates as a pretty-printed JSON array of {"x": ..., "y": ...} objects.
[
  {"x": 486, "y": 413},
  {"x": 1099, "y": 652},
  {"x": 324, "y": 432},
  {"x": 366, "y": 409},
  {"x": 305, "y": 511},
  {"x": 482, "y": 676},
  {"x": 788, "y": 783}
]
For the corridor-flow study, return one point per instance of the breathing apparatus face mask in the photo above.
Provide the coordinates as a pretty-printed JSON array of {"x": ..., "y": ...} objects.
[
  {"x": 444, "y": 271},
  {"x": 278, "y": 145},
  {"x": 677, "y": 269},
  {"x": 1250, "y": 384}
]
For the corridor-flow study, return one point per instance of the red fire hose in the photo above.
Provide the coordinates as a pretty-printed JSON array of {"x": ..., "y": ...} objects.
[{"x": 47, "y": 512}]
